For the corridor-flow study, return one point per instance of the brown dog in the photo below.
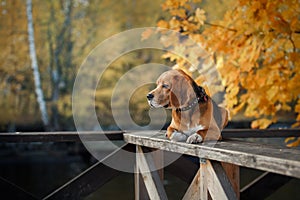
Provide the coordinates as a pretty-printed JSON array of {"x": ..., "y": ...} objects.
[{"x": 195, "y": 116}]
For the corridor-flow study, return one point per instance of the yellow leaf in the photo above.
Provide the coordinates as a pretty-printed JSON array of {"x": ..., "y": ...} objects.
[
  {"x": 169, "y": 4},
  {"x": 261, "y": 123},
  {"x": 174, "y": 24},
  {"x": 298, "y": 118},
  {"x": 237, "y": 108},
  {"x": 278, "y": 23},
  {"x": 162, "y": 24},
  {"x": 287, "y": 107},
  {"x": 146, "y": 34},
  {"x": 294, "y": 142},
  {"x": 289, "y": 139},
  {"x": 297, "y": 107},
  {"x": 178, "y": 12},
  {"x": 296, "y": 125},
  {"x": 272, "y": 92},
  {"x": 200, "y": 16},
  {"x": 168, "y": 40}
]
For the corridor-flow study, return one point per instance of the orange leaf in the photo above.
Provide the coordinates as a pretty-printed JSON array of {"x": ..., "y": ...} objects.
[
  {"x": 178, "y": 12},
  {"x": 261, "y": 123},
  {"x": 146, "y": 34},
  {"x": 200, "y": 15},
  {"x": 292, "y": 141},
  {"x": 162, "y": 24}
]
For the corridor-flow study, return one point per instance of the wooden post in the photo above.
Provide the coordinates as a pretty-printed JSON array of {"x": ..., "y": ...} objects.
[
  {"x": 151, "y": 179},
  {"x": 140, "y": 191},
  {"x": 212, "y": 181},
  {"x": 233, "y": 173},
  {"x": 203, "y": 182},
  {"x": 218, "y": 184},
  {"x": 158, "y": 158},
  {"x": 194, "y": 190}
]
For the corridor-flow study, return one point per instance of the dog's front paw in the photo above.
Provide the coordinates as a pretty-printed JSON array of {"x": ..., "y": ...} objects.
[
  {"x": 178, "y": 137},
  {"x": 194, "y": 139}
]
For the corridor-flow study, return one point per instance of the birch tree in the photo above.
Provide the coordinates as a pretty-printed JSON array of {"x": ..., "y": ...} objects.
[{"x": 34, "y": 65}]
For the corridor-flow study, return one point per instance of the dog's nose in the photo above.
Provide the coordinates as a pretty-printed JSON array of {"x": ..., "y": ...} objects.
[{"x": 150, "y": 96}]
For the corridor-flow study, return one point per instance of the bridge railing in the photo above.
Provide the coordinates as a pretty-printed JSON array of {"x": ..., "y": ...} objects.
[{"x": 214, "y": 173}]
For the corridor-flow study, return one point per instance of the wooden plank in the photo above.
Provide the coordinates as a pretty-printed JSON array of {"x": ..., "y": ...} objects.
[
  {"x": 158, "y": 159},
  {"x": 263, "y": 157},
  {"x": 61, "y": 136},
  {"x": 151, "y": 179},
  {"x": 91, "y": 179},
  {"x": 193, "y": 192},
  {"x": 217, "y": 182},
  {"x": 140, "y": 191},
  {"x": 263, "y": 186},
  {"x": 260, "y": 133},
  {"x": 233, "y": 174},
  {"x": 66, "y": 136},
  {"x": 203, "y": 182}
]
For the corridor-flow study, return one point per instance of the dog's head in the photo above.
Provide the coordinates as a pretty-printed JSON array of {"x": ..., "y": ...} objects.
[{"x": 174, "y": 89}]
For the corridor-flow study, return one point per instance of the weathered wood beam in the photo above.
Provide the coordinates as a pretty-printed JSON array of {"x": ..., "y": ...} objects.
[
  {"x": 260, "y": 133},
  {"x": 252, "y": 155},
  {"x": 263, "y": 186},
  {"x": 65, "y": 136},
  {"x": 217, "y": 181},
  {"x": 158, "y": 159},
  {"x": 91, "y": 179},
  {"x": 203, "y": 182},
  {"x": 152, "y": 180},
  {"x": 233, "y": 174},
  {"x": 140, "y": 188},
  {"x": 61, "y": 136},
  {"x": 212, "y": 181},
  {"x": 194, "y": 192},
  {"x": 140, "y": 191}
]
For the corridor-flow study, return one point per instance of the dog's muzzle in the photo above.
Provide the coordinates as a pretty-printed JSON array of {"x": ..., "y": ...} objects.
[{"x": 150, "y": 96}]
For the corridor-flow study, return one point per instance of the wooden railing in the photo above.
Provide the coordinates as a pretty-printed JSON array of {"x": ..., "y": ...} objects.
[{"x": 215, "y": 175}]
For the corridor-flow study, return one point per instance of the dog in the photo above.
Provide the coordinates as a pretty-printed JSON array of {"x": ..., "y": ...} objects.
[{"x": 195, "y": 116}]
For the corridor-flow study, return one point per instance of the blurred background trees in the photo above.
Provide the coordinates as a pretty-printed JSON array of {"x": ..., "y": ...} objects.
[
  {"x": 253, "y": 47},
  {"x": 65, "y": 32}
]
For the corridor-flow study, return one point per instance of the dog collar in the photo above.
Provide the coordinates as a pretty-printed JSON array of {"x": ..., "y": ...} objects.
[{"x": 193, "y": 104}]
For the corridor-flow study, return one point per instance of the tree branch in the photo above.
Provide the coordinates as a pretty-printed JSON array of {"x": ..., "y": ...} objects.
[
  {"x": 234, "y": 30},
  {"x": 220, "y": 26}
]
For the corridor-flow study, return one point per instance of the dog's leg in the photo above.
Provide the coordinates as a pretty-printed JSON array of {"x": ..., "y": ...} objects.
[
  {"x": 170, "y": 131},
  {"x": 174, "y": 135}
]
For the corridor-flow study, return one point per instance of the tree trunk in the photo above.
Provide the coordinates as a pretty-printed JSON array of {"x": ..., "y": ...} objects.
[
  {"x": 35, "y": 68},
  {"x": 60, "y": 58}
]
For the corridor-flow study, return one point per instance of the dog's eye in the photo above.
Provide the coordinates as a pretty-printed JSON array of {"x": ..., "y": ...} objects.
[{"x": 165, "y": 86}]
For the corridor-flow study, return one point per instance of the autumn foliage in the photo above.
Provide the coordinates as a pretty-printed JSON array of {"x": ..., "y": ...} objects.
[{"x": 255, "y": 48}]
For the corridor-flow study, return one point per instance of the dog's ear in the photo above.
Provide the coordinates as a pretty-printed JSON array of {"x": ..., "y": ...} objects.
[
  {"x": 175, "y": 96},
  {"x": 181, "y": 91}
]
